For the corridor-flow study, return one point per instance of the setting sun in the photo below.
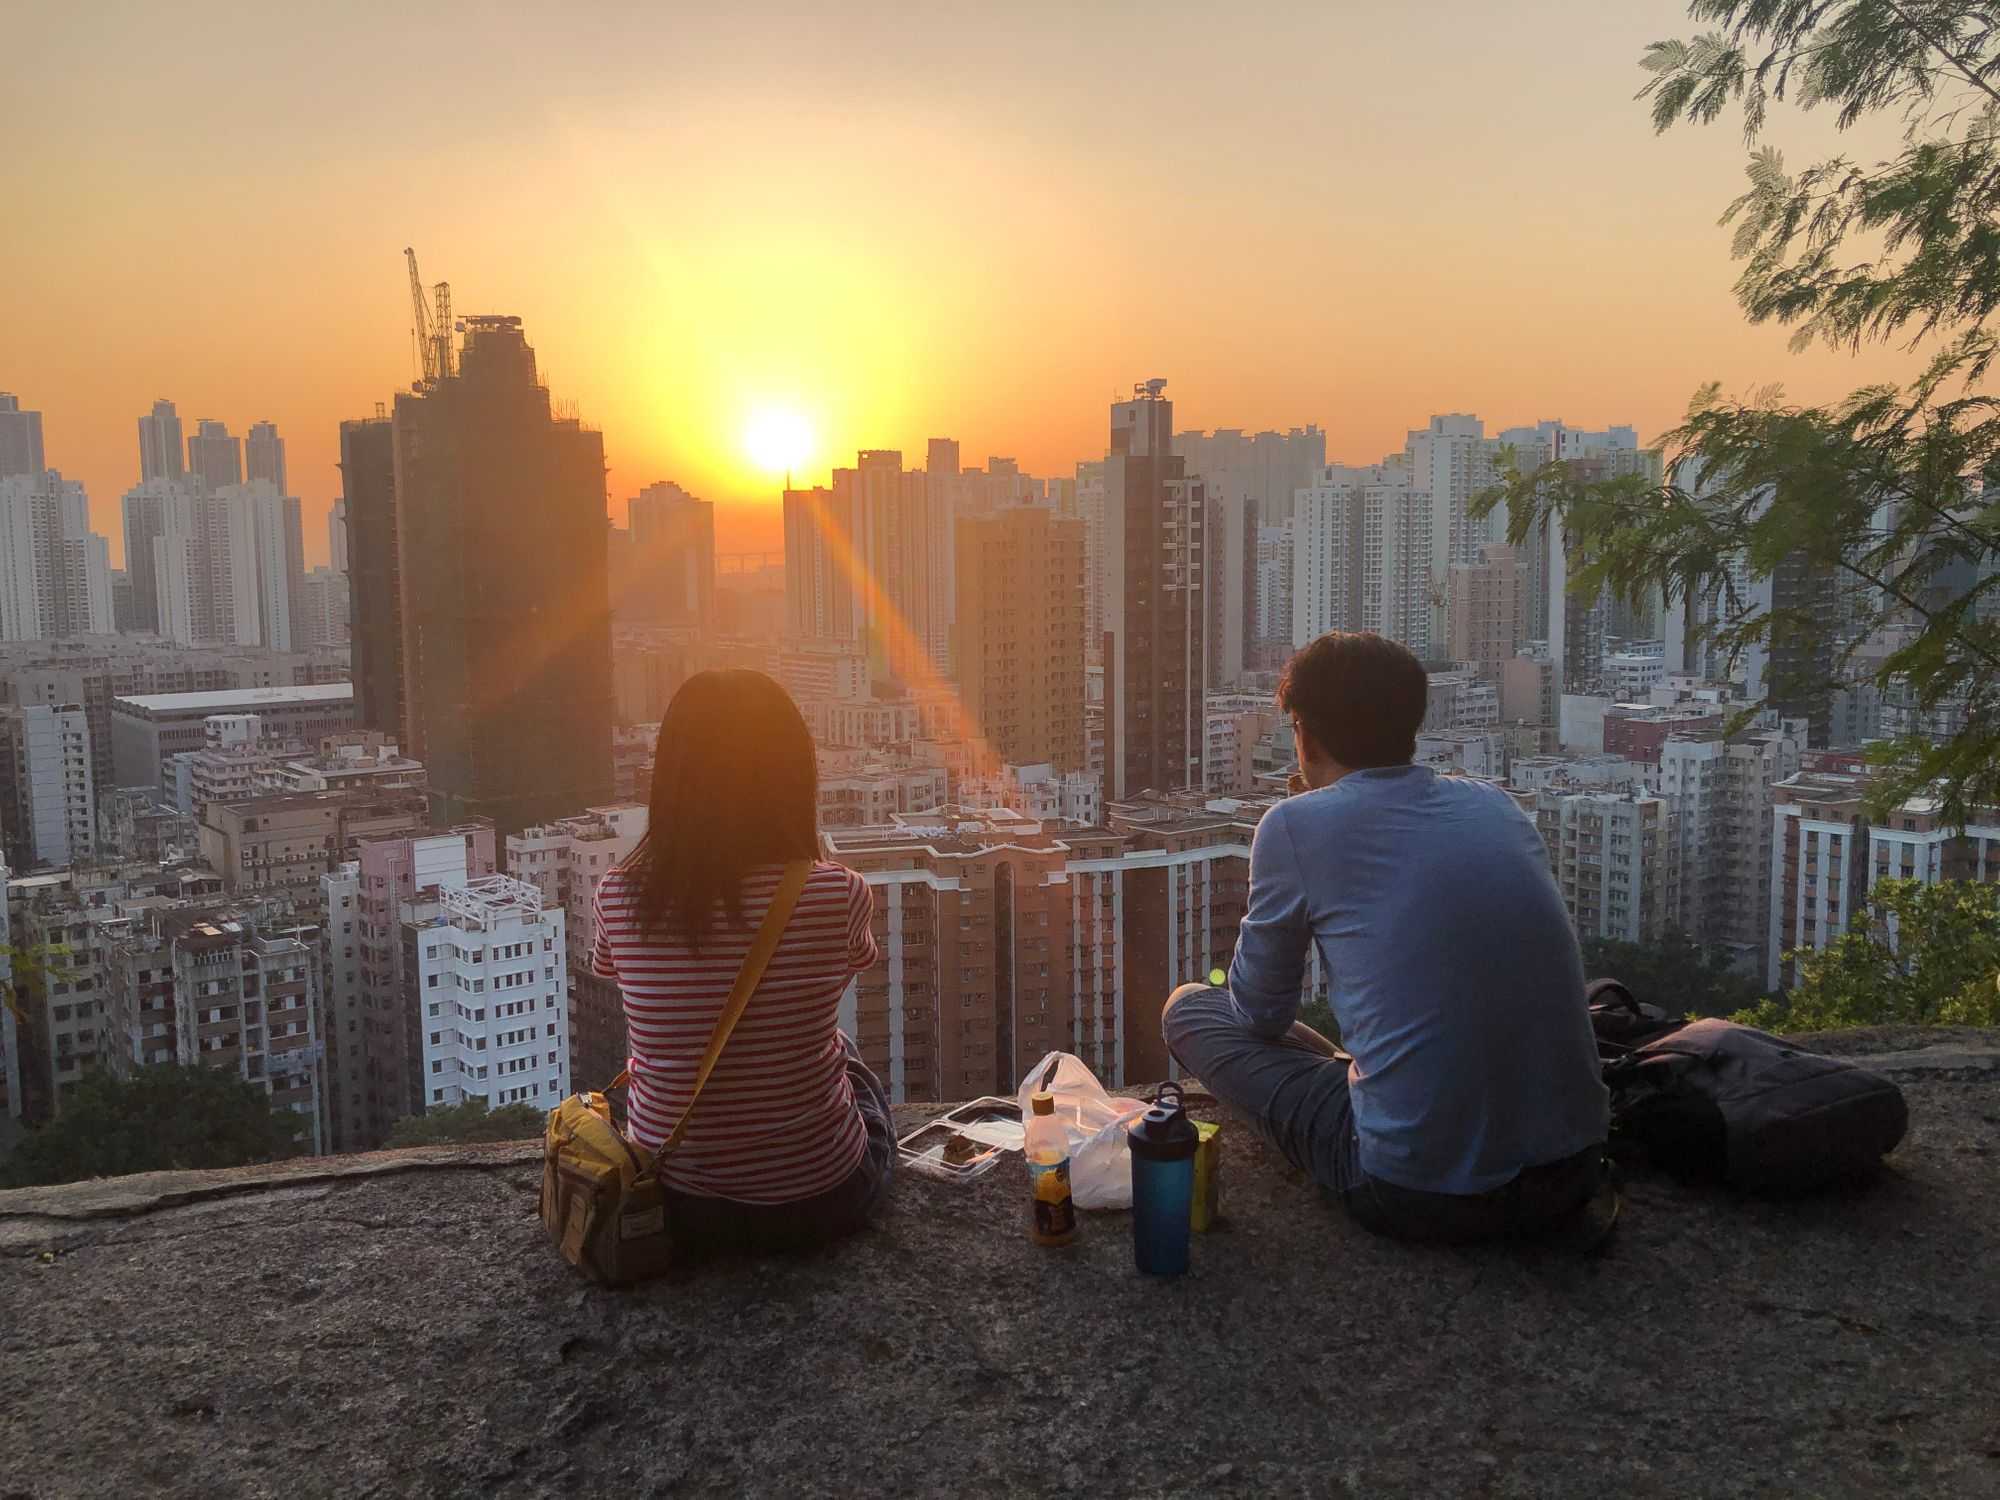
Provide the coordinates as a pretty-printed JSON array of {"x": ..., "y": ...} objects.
[{"x": 778, "y": 439}]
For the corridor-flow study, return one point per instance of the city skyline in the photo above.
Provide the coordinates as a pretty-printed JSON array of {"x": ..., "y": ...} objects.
[{"x": 1350, "y": 248}]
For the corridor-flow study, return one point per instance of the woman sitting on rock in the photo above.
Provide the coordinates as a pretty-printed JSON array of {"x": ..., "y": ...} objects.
[{"x": 791, "y": 1143}]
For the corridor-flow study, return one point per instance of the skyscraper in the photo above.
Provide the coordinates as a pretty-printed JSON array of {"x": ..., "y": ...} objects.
[
  {"x": 902, "y": 607},
  {"x": 1486, "y": 611},
  {"x": 368, "y": 482},
  {"x": 672, "y": 565},
  {"x": 265, "y": 455},
  {"x": 160, "y": 445},
  {"x": 215, "y": 457},
  {"x": 145, "y": 508},
  {"x": 1155, "y": 608},
  {"x": 506, "y": 609},
  {"x": 1019, "y": 643},
  {"x": 277, "y": 562},
  {"x": 1361, "y": 555},
  {"x": 20, "y": 439},
  {"x": 821, "y": 562},
  {"x": 55, "y": 572},
  {"x": 204, "y": 566}
]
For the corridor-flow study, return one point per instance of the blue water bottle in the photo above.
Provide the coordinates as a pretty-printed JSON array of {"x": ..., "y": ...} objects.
[{"x": 1163, "y": 1145}]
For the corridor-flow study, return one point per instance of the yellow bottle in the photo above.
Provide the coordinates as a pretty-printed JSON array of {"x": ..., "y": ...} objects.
[{"x": 1047, "y": 1150}]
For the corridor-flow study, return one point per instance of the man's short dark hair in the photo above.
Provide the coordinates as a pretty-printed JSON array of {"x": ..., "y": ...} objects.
[{"x": 1361, "y": 697}]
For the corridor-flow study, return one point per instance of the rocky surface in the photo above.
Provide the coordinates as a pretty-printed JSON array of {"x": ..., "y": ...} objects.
[{"x": 397, "y": 1325}]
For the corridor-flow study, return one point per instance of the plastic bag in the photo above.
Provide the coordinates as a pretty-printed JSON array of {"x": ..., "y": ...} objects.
[{"x": 1100, "y": 1160}]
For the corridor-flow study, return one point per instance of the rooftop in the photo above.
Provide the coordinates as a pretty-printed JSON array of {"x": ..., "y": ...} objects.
[
  {"x": 226, "y": 699},
  {"x": 398, "y": 1324}
]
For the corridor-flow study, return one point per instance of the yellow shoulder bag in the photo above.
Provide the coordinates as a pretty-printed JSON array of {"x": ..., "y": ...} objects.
[{"x": 602, "y": 1201}]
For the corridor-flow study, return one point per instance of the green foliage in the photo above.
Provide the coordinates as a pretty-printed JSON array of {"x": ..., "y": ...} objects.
[
  {"x": 1928, "y": 955},
  {"x": 471, "y": 1121},
  {"x": 1888, "y": 505},
  {"x": 1927, "y": 214},
  {"x": 1681, "y": 976},
  {"x": 157, "y": 1119}
]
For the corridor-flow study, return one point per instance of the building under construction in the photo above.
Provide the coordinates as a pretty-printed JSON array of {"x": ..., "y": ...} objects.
[{"x": 501, "y": 576}]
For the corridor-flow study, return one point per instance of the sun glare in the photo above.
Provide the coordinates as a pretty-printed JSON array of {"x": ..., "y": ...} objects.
[{"x": 778, "y": 439}]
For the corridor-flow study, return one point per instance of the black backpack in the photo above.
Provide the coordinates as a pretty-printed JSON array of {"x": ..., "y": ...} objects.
[{"x": 1712, "y": 1099}]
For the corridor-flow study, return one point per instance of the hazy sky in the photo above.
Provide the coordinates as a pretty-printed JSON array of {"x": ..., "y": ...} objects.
[{"x": 966, "y": 220}]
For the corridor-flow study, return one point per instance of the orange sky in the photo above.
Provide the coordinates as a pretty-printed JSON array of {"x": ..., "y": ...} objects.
[{"x": 956, "y": 219}]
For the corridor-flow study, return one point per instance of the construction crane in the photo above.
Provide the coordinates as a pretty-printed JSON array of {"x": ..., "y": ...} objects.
[{"x": 432, "y": 334}]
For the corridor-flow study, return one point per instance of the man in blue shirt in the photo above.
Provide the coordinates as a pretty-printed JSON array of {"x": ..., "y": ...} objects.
[{"x": 1472, "y": 1105}]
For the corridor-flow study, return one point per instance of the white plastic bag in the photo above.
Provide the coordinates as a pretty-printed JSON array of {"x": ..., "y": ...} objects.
[{"x": 1100, "y": 1158}]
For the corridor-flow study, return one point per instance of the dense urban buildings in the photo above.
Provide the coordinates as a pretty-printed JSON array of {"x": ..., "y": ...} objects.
[{"x": 339, "y": 829}]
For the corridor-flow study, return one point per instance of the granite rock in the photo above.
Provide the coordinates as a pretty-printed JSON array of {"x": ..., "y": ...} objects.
[{"x": 398, "y": 1325}]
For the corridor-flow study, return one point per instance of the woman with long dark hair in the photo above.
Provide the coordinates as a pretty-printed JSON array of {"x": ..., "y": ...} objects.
[{"x": 792, "y": 1142}]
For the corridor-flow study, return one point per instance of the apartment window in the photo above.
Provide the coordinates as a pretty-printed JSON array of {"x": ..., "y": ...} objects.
[{"x": 437, "y": 1066}]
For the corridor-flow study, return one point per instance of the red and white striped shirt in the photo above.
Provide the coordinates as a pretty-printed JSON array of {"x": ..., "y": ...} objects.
[{"x": 777, "y": 1121}]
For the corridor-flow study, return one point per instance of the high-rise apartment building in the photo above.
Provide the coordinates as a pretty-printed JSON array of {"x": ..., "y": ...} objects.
[
  {"x": 264, "y": 456},
  {"x": 207, "y": 986},
  {"x": 822, "y": 567},
  {"x": 1155, "y": 603},
  {"x": 277, "y": 565},
  {"x": 1250, "y": 481},
  {"x": 20, "y": 439},
  {"x": 146, "y": 506},
  {"x": 55, "y": 572},
  {"x": 1615, "y": 859},
  {"x": 1019, "y": 646},
  {"x": 328, "y": 620},
  {"x": 205, "y": 568},
  {"x": 861, "y": 567},
  {"x": 376, "y": 1004},
  {"x": 1271, "y": 598},
  {"x": 490, "y": 963},
  {"x": 1264, "y": 470},
  {"x": 160, "y": 446},
  {"x": 564, "y": 861},
  {"x": 48, "y": 796},
  {"x": 501, "y": 569},
  {"x": 1820, "y": 869},
  {"x": 1485, "y": 610},
  {"x": 1720, "y": 791},
  {"x": 946, "y": 500},
  {"x": 215, "y": 456},
  {"x": 1361, "y": 556},
  {"x": 1090, "y": 507},
  {"x": 672, "y": 563}
]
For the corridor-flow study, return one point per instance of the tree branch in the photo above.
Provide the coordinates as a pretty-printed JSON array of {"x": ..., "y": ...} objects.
[{"x": 1945, "y": 52}]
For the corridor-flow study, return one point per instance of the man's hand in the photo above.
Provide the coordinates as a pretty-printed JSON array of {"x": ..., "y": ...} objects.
[{"x": 1295, "y": 785}]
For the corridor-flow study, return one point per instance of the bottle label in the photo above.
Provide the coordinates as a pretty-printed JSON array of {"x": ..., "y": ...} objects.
[{"x": 1055, "y": 1213}]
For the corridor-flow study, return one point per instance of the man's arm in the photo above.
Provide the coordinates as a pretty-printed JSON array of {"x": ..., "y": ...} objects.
[{"x": 1271, "y": 945}]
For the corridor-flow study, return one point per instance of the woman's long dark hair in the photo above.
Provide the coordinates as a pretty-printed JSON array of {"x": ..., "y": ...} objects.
[{"x": 735, "y": 786}]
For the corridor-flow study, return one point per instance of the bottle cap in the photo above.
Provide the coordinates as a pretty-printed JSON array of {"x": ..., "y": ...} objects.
[
  {"x": 1043, "y": 1101},
  {"x": 1164, "y": 1132}
]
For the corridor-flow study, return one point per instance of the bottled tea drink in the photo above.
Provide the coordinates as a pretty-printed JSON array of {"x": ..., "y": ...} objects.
[{"x": 1047, "y": 1150}]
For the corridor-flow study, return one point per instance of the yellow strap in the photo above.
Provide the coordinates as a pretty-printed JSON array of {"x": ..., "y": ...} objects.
[{"x": 747, "y": 978}]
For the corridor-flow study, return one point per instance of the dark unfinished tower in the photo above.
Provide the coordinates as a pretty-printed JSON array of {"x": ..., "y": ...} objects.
[
  {"x": 368, "y": 485},
  {"x": 502, "y": 570}
]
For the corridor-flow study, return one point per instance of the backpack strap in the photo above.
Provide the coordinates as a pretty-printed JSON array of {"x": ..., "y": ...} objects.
[
  {"x": 1611, "y": 992},
  {"x": 790, "y": 884}
]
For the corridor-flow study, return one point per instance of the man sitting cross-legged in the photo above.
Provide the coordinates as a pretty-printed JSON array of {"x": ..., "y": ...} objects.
[{"x": 1472, "y": 1105}]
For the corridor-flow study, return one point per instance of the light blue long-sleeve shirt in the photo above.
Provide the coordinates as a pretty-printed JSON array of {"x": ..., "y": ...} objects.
[{"x": 1455, "y": 973}]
